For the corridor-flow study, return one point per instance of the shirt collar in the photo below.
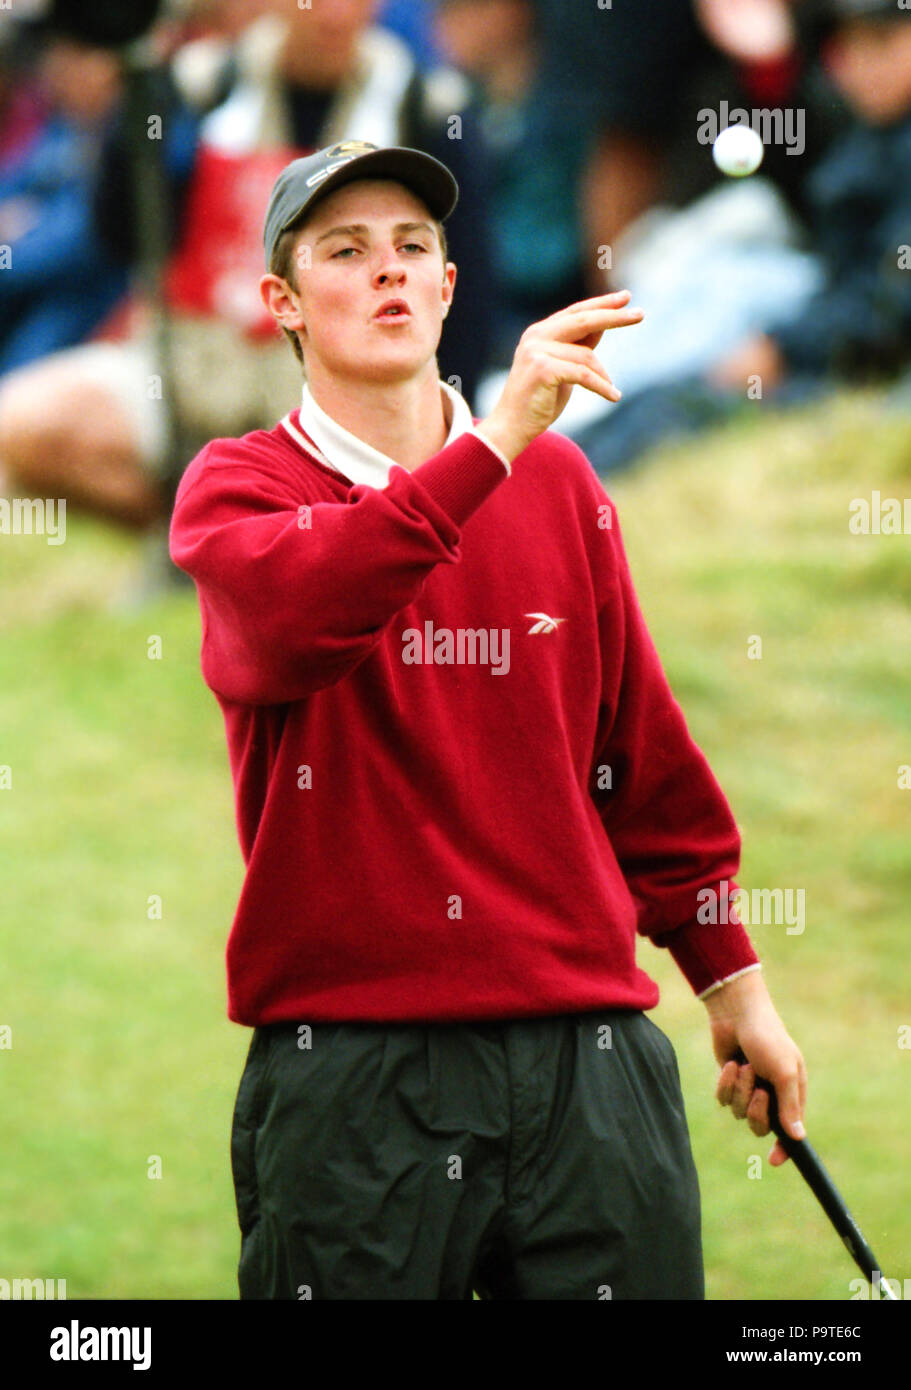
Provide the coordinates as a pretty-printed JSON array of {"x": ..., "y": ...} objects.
[{"x": 354, "y": 458}]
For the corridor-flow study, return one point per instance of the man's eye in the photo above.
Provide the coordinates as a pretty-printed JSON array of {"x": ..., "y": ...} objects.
[
  {"x": 414, "y": 246},
  {"x": 344, "y": 252}
]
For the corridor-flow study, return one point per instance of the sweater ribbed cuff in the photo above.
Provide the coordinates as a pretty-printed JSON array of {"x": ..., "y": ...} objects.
[
  {"x": 719, "y": 984},
  {"x": 499, "y": 452},
  {"x": 461, "y": 476},
  {"x": 710, "y": 953}
]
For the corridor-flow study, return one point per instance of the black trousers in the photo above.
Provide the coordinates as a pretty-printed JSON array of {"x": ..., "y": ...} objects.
[{"x": 544, "y": 1158}]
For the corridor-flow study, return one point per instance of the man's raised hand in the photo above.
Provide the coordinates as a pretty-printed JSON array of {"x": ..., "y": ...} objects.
[{"x": 552, "y": 357}]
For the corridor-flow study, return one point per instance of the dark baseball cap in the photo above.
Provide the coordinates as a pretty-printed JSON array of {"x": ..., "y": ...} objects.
[{"x": 303, "y": 182}]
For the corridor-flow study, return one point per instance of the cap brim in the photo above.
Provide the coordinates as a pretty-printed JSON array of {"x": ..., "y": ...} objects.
[{"x": 424, "y": 175}]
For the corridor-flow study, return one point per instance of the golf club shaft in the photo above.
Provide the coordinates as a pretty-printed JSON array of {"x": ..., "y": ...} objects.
[{"x": 811, "y": 1168}]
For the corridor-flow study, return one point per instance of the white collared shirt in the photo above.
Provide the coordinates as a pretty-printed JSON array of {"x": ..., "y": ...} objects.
[{"x": 360, "y": 462}]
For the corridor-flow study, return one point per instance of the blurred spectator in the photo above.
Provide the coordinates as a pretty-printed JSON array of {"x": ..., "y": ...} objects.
[
  {"x": 412, "y": 20},
  {"x": 858, "y": 325},
  {"x": 23, "y": 107},
  {"x": 715, "y": 260},
  {"x": 537, "y": 154},
  {"x": 627, "y": 66},
  {"x": 60, "y": 281},
  {"x": 296, "y": 80},
  {"x": 643, "y": 70}
]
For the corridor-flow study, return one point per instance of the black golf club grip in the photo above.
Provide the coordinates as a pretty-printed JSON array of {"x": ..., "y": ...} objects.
[{"x": 811, "y": 1168}]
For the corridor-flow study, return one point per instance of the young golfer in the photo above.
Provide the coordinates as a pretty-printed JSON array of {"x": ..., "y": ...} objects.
[{"x": 463, "y": 786}]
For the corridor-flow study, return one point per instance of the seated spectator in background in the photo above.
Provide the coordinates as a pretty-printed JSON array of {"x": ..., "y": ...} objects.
[
  {"x": 730, "y": 259},
  {"x": 858, "y": 325},
  {"x": 539, "y": 143},
  {"x": 642, "y": 71},
  {"x": 61, "y": 280},
  {"x": 855, "y": 325},
  {"x": 296, "y": 80}
]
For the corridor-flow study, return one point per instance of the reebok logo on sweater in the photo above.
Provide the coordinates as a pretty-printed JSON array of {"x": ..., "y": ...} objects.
[{"x": 544, "y": 623}]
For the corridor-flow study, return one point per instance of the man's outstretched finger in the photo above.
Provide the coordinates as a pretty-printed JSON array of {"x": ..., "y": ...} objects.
[
  {"x": 615, "y": 297},
  {"x": 572, "y": 328},
  {"x": 576, "y": 352},
  {"x": 790, "y": 1109},
  {"x": 618, "y": 300},
  {"x": 572, "y": 373}
]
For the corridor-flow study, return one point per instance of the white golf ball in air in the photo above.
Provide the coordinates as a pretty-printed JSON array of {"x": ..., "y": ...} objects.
[{"x": 738, "y": 151}]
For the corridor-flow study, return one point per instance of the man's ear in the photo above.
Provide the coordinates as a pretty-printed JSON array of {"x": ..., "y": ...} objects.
[
  {"x": 282, "y": 302},
  {"x": 449, "y": 279}
]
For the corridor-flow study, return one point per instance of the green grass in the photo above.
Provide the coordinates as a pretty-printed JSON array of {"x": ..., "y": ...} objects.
[
  {"x": 120, "y": 791},
  {"x": 746, "y": 535}
]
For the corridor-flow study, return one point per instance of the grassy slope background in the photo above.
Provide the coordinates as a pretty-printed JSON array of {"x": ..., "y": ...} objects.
[{"x": 120, "y": 790}]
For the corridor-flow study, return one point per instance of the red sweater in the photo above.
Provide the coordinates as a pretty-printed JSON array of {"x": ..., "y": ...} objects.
[{"x": 428, "y": 837}]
